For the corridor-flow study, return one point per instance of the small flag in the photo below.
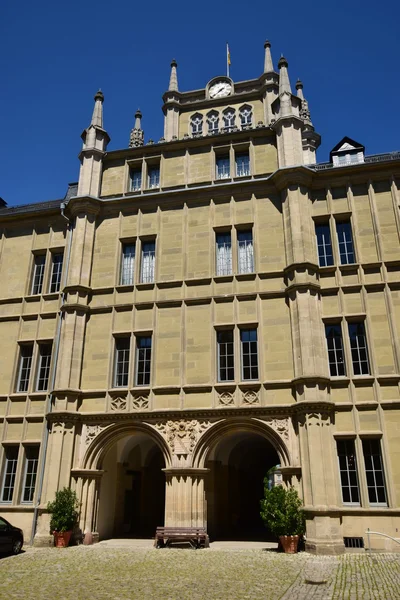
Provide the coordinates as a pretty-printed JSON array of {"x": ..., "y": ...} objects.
[{"x": 228, "y": 53}]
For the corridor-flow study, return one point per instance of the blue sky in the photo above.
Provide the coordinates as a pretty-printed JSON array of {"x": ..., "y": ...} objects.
[{"x": 54, "y": 57}]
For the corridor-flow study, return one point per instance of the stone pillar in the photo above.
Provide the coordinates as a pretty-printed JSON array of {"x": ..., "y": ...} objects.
[
  {"x": 185, "y": 504},
  {"x": 87, "y": 489},
  {"x": 311, "y": 382}
]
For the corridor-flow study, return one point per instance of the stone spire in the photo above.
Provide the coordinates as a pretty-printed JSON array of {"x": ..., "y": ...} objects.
[
  {"x": 284, "y": 83},
  {"x": 304, "y": 110},
  {"x": 173, "y": 80},
  {"x": 97, "y": 117},
  {"x": 268, "y": 64},
  {"x": 137, "y": 133},
  {"x": 95, "y": 140}
]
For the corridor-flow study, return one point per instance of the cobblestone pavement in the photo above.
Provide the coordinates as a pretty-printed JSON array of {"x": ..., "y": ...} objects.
[{"x": 120, "y": 573}]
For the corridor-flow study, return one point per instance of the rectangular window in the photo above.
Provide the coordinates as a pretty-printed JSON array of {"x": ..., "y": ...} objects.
[
  {"x": 143, "y": 360},
  {"x": 136, "y": 180},
  {"x": 10, "y": 469},
  {"x": 334, "y": 341},
  {"x": 127, "y": 264},
  {"x": 38, "y": 273},
  {"x": 224, "y": 253},
  {"x": 348, "y": 471},
  {"x": 148, "y": 262},
  {"x": 43, "y": 367},
  {"x": 245, "y": 252},
  {"x": 154, "y": 177},
  {"x": 121, "y": 368},
  {"x": 248, "y": 340},
  {"x": 345, "y": 241},
  {"x": 242, "y": 164},
  {"x": 374, "y": 472},
  {"x": 226, "y": 371},
  {"x": 56, "y": 271},
  {"x": 31, "y": 467},
  {"x": 324, "y": 244},
  {"x": 359, "y": 350},
  {"x": 223, "y": 169},
  {"x": 24, "y": 367}
]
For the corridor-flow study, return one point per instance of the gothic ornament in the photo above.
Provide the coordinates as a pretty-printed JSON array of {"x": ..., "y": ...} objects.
[
  {"x": 118, "y": 404},
  {"x": 136, "y": 138},
  {"x": 93, "y": 431},
  {"x": 225, "y": 398},
  {"x": 182, "y": 435},
  {"x": 250, "y": 397},
  {"x": 140, "y": 402}
]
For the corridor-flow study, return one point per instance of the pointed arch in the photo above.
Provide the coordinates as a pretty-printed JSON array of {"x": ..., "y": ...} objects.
[
  {"x": 246, "y": 116},
  {"x": 196, "y": 122},
  {"x": 213, "y": 122},
  {"x": 104, "y": 440},
  {"x": 229, "y": 118},
  {"x": 212, "y": 436}
]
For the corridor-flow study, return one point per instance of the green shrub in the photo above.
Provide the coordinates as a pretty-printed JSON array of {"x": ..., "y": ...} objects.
[
  {"x": 63, "y": 510},
  {"x": 281, "y": 511}
]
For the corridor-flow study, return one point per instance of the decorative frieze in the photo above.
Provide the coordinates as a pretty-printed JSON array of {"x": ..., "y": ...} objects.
[
  {"x": 226, "y": 398},
  {"x": 182, "y": 435},
  {"x": 140, "y": 402},
  {"x": 91, "y": 431},
  {"x": 118, "y": 404},
  {"x": 250, "y": 397}
]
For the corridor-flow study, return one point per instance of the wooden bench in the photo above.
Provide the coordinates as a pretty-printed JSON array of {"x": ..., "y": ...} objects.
[{"x": 197, "y": 537}]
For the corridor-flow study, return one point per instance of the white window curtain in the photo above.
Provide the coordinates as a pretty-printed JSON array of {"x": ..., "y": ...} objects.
[
  {"x": 245, "y": 252},
  {"x": 128, "y": 265},
  {"x": 224, "y": 254},
  {"x": 148, "y": 262}
]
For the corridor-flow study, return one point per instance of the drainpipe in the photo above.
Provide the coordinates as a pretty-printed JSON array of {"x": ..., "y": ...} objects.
[{"x": 49, "y": 400}]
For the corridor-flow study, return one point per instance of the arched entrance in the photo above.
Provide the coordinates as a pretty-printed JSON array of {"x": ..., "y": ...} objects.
[
  {"x": 238, "y": 463},
  {"x": 132, "y": 490}
]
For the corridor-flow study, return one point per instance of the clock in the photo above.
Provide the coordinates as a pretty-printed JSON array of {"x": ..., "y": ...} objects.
[{"x": 220, "y": 89}]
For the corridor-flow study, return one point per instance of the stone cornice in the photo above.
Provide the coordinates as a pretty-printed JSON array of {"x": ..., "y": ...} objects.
[{"x": 88, "y": 205}]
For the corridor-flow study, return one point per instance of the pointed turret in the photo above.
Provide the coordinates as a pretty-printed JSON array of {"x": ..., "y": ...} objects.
[
  {"x": 137, "y": 133},
  {"x": 97, "y": 117},
  {"x": 95, "y": 140},
  {"x": 173, "y": 80},
  {"x": 284, "y": 83},
  {"x": 268, "y": 64},
  {"x": 304, "y": 110}
]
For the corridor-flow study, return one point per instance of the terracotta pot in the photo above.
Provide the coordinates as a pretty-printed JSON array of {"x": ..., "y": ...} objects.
[
  {"x": 289, "y": 543},
  {"x": 62, "y": 538}
]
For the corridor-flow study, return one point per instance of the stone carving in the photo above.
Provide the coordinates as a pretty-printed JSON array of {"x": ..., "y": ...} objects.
[
  {"x": 225, "y": 398},
  {"x": 250, "y": 397},
  {"x": 140, "y": 402},
  {"x": 118, "y": 404},
  {"x": 182, "y": 435},
  {"x": 136, "y": 138},
  {"x": 92, "y": 431},
  {"x": 281, "y": 426}
]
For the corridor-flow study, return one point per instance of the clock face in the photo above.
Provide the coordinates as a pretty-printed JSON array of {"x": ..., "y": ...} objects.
[{"x": 220, "y": 89}]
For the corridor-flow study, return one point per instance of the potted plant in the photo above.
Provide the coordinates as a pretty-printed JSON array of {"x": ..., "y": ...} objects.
[
  {"x": 64, "y": 514},
  {"x": 281, "y": 511}
]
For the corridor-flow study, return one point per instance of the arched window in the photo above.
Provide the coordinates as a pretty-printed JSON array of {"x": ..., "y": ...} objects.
[
  {"x": 197, "y": 124},
  {"x": 229, "y": 119},
  {"x": 213, "y": 121},
  {"x": 246, "y": 116}
]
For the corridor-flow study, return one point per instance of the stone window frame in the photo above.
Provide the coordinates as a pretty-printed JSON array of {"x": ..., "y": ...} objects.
[
  {"x": 117, "y": 337},
  {"x": 138, "y": 336},
  {"x": 59, "y": 272},
  {"x": 229, "y": 110},
  {"x": 16, "y": 475},
  {"x": 212, "y": 113},
  {"x": 237, "y": 328},
  {"x": 379, "y": 439},
  {"x": 233, "y": 230},
  {"x": 240, "y": 112},
  {"x": 361, "y": 471},
  {"x": 47, "y": 254},
  {"x": 39, "y": 357},
  {"x": 125, "y": 243},
  {"x": 332, "y": 219},
  {"x": 344, "y": 322},
  {"x": 32, "y": 384},
  {"x": 26, "y": 460},
  {"x": 142, "y": 240},
  {"x": 197, "y": 124},
  {"x": 352, "y": 439}
]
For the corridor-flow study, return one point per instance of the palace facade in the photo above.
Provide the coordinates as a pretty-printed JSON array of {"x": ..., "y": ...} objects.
[{"x": 201, "y": 309}]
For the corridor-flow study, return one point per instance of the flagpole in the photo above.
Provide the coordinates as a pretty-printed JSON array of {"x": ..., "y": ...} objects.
[{"x": 227, "y": 59}]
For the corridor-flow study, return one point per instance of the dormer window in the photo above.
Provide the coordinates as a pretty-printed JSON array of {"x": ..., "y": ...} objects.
[
  {"x": 347, "y": 152},
  {"x": 229, "y": 119},
  {"x": 246, "y": 116},
  {"x": 213, "y": 121},
  {"x": 197, "y": 124}
]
